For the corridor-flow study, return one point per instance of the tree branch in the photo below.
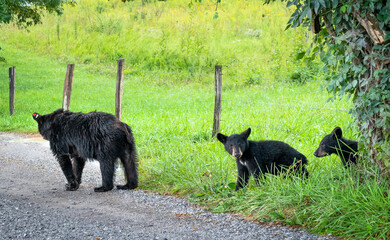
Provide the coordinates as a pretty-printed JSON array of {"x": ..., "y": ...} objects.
[
  {"x": 371, "y": 25},
  {"x": 329, "y": 27}
]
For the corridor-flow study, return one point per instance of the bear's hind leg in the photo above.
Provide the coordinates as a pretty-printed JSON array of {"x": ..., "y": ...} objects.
[
  {"x": 107, "y": 169},
  {"x": 300, "y": 168},
  {"x": 257, "y": 175},
  {"x": 129, "y": 161},
  {"x": 66, "y": 166},
  {"x": 78, "y": 166}
]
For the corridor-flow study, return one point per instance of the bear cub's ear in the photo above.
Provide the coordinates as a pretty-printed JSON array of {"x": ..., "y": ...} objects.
[
  {"x": 246, "y": 133},
  {"x": 222, "y": 138},
  {"x": 36, "y": 116},
  {"x": 337, "y": 132}
]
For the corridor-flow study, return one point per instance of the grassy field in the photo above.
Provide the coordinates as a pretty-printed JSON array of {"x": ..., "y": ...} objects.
[
  {"x": 170, "y": 106},
  {"x": 247, "y": 36}
]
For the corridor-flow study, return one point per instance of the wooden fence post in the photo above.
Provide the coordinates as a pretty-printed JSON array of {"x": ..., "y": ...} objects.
[
  {"x": 119, "y": 86},
  {"x": 12, "y": 90},
  {"x": 218, "y": 99},
  {"x": 67, "y": 87}
]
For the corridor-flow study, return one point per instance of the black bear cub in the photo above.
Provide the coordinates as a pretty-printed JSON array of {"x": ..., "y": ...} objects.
[
  {"x": 78, "y": 137},
  {"x": 336, "y": 143},
  {"x": 261, "y": 157}
]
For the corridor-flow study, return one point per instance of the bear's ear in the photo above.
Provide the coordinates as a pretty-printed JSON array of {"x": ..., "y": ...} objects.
[
  {"x": 36, "y": 116},
  {"x": 222, "y": 138},
  {"x": 246, "y": 133},
  {"x": 337, "y": 132}
]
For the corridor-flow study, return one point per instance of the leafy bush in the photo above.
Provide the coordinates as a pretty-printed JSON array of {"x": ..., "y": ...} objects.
[{"x": 352, "y": 38}]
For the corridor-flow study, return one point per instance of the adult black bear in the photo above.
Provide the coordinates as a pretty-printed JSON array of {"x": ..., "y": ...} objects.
[
  {"x": 336, "y": 143},
  {"x": 261, "y": 157},
  {"x": 94, "y": 135}
]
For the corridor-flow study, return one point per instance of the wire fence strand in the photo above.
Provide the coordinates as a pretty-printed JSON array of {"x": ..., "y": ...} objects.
[{"x": 186, "y": 97}]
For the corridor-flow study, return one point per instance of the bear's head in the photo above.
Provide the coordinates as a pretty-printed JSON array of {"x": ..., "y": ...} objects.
[
  {"x": 235, "y": 144},
  {"x": 45, "y": 122},
  {"x": 330, "y": 143}
]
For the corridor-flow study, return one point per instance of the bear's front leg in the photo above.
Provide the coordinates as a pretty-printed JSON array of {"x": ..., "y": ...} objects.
[
  {"x": 243, "y": 176},
  {"x": 66, "y": 166}
]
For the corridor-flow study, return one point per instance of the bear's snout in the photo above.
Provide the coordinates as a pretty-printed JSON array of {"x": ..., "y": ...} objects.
[
  {"x": 236, "y": 152},
  {"x": 320, "y": 153}
]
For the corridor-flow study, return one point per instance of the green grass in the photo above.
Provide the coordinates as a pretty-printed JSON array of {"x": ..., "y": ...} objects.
[{"x": 168, "y": 100}]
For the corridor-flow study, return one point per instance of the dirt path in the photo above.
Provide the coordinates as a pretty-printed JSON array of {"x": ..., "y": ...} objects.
[{"x": 35, "y": 205}]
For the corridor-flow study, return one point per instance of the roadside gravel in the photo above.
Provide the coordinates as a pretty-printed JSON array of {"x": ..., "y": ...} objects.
[{"x": 35, "y": 205}]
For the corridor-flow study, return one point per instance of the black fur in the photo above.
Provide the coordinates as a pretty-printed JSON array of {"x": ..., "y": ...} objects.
[
  {"x": 336, "y": 143},
  {"x": 261, "y": 157},
  {"x": 94, "y": 135}
]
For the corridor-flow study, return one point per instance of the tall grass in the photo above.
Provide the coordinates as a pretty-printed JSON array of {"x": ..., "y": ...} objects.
[
  {"x": 247, "y": 36},
  {"x": 170, "y": 52}
]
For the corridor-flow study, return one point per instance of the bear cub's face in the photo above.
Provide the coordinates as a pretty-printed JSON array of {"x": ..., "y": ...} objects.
[
  {"x": 330, "y": 143},
  {"x": 235, "y": 144}
]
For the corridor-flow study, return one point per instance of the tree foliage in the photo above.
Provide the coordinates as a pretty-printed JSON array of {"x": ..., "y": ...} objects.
[
  {"x": 352, "y": 39},
  {"x": 28, "y": 12}
]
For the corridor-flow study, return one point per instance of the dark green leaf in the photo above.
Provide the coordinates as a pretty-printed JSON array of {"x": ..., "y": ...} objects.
[
  {"x": 316, "y": 6},
  {"x": 335, "y": 3},
  {"x": 322, "y": 3},
  {"x": 300, "y": 55},
  {"x": 289, "y": 3}
]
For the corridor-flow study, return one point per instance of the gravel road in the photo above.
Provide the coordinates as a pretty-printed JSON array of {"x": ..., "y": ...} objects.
[{"x": 35, "y": 205}]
